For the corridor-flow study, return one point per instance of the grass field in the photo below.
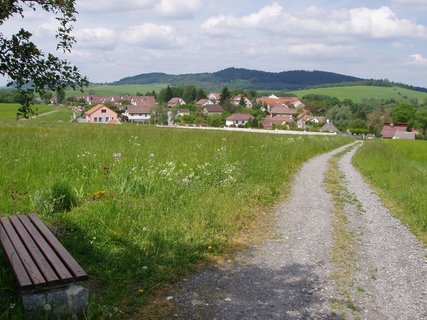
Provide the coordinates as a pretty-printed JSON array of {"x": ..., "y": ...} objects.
[
  {"x": 398, "y": 169},
  {"x": 147, "y": 204},
  {"x": 360, "y": 93},
  {"x": 110, "y": 90},
  {"x": 8, "y": 111}
]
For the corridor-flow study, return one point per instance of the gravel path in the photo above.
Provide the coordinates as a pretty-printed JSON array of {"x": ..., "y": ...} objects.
[
  {"x": 291, "y": 275},
  {"x": 392, "y": 264}
]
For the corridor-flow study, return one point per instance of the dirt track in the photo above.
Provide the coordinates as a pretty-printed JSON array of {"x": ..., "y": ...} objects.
[{"x": 293, "y": 276}]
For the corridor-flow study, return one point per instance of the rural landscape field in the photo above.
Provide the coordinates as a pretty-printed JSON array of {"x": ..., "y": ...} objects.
[
  {"x": 143, "y": 219},
  {"x": 198, "y": 159}
]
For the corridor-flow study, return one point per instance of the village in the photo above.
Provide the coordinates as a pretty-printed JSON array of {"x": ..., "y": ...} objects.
[{"x": 274, "y": 112}]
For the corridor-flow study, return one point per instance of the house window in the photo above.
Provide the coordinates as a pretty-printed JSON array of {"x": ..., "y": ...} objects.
[
  {"x": 95, "y": 119},
  {"x": 103, "y": 110}
]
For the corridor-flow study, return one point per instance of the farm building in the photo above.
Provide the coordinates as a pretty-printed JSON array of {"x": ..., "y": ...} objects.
[{"x": 390, "y": 129}]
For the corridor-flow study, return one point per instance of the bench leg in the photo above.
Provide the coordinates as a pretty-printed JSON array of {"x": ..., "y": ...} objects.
[{"x": 64, "y": 301}]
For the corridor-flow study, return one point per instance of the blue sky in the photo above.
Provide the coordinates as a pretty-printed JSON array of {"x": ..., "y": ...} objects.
[{"x": 369, "y": 39}]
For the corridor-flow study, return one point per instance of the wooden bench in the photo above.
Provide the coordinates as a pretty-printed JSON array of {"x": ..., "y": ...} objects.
[{"x": 37, "y": 258}]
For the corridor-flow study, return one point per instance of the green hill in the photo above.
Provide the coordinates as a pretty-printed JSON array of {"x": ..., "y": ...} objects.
[
  {"x": 243, "y": 78},
  {"x": 360, "y": 93}
]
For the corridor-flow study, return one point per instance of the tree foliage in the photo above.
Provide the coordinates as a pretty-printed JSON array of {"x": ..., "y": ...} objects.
[{"x": 28, "y": 68}]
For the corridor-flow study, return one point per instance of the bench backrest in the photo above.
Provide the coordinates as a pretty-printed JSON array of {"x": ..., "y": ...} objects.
[{"x": 37, "y": 258}]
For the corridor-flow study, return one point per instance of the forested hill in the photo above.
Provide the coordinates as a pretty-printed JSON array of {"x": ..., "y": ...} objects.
[{"x": 245, "y": 79}]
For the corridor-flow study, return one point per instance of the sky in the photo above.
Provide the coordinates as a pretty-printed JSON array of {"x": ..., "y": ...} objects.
[{"x": 119, "y": 38}]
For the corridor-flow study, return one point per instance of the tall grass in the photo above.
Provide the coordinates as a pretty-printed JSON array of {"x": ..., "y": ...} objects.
[
  {"x": 151, "y": 202},
  {"x": 399, "y": 170}
]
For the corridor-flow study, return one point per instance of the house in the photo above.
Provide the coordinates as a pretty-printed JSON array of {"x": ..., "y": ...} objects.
[
  {"x": 238, "y": 119},
  {"x": 389, "y": 129},
  {"x": 236, "y": 101},
  {"x": 329, "y": 127},
  {"x": 281, "y": 110},
  {"x": 139, "y": 113},
  {"x": 175, "y": 101},
  {"x": 211, "y": 109},
  {"x": 268, "y": 123},
  {"x": 214, "y": 96},
  {"x": 273, "y": 100},
  {"x": 183, "y": 112},
  {"x": 203, "y": 102},
  {"x": 101, "y": 114}
]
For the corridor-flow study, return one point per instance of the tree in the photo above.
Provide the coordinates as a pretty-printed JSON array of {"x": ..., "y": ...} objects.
[
  {"x": 421, "y": 120},
  {"x": 27, "y": 67},
  {"x": 200, "y": 95},
  {"x": 405, "y": 113},
  {"x": 60, "y": 95},
  {"x": 225, "y": 96}
]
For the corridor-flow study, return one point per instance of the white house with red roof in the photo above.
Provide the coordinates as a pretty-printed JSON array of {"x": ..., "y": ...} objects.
[{"x": 238, "y": 119}]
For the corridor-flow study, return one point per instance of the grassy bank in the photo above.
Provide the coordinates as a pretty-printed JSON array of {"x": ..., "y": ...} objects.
[
  {"x": 147, "y": 203},
  {"x": 360, "y": 93},
  {"x": 398, "y": 169},
  {"x": 9, "y": 110}
]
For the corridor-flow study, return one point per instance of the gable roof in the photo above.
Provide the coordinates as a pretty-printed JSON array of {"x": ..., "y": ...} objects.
[
  {"x": 240, "y": 117},
  {"x": 213, "y": 108},
  {"x": 282, "y": 109},
  {"x": 96, "y": 108},
  {"x": 329, "y": 127},
  {"x": 390, "y": 129},
  {"x": 139, "y": 109},
  {"x": 175, "y": 100}
]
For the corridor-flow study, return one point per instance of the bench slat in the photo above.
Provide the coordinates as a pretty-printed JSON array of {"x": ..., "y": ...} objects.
[
  {"x": 22, "y": 276},
  {"x": 32, "y": 270},
  {"x": 55, "y": 262},
  {"x": 41, "y": 262},
  {"x": 65, "y": 256}
]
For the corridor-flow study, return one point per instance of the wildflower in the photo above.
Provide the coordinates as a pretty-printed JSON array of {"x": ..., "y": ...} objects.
[
  {"x": 11, "y": 306},
  {"x": 47, "y": 307},
  {"x": 117, "y": 156},
  {"x": 144, "y": 268},
  {"x": 209, "y": 247},
  {"x": 151, "y": 155},
  {"x": 185, "y": 182},
  {"x": 141, "y": 290}
]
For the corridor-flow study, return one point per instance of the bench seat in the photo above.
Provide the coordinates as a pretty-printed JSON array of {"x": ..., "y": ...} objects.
[{"x": 37, "y": 258}]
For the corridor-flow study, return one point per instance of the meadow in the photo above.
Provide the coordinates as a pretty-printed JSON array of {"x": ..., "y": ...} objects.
[
  {"x": 9, "y": 110},
  {"x": 140, "y": 206},
  {"x": 111, "y": 90},
  {"x": 398, "y": 170},
  {"x": 360, "y": 93}
]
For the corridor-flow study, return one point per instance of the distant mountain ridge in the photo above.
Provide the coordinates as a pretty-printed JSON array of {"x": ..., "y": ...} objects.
[{"x": 245, "y": 79}]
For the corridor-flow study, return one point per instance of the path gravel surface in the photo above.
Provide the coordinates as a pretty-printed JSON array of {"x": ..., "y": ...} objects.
[{"x": 291, "y": 275}]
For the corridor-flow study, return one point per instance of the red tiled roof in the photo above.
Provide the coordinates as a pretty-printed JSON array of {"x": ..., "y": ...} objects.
[{"x": 390, "y": 129}]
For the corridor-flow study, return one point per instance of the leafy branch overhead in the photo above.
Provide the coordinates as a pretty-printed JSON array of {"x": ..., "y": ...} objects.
[{"x": 27, "y": 67}]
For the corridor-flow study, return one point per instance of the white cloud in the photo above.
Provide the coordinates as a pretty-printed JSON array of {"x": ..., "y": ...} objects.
[
  {"x": 320, "y": 49},
  {"x": 102, "y": 6},
  {"x": 381, "y": 23},
  {"x": 178, "y": 9},
  {"x": 96, "y": 38},
  {"x": 153, "y": 36},
  {"x": 417, "y": 59}
]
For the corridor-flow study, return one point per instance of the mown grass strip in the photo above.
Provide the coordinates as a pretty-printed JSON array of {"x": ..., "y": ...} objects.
[
  {"x": 147, "y": 204},
  {"x": 398, "y": 172},
  {"x": 343, "y": 255}
]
